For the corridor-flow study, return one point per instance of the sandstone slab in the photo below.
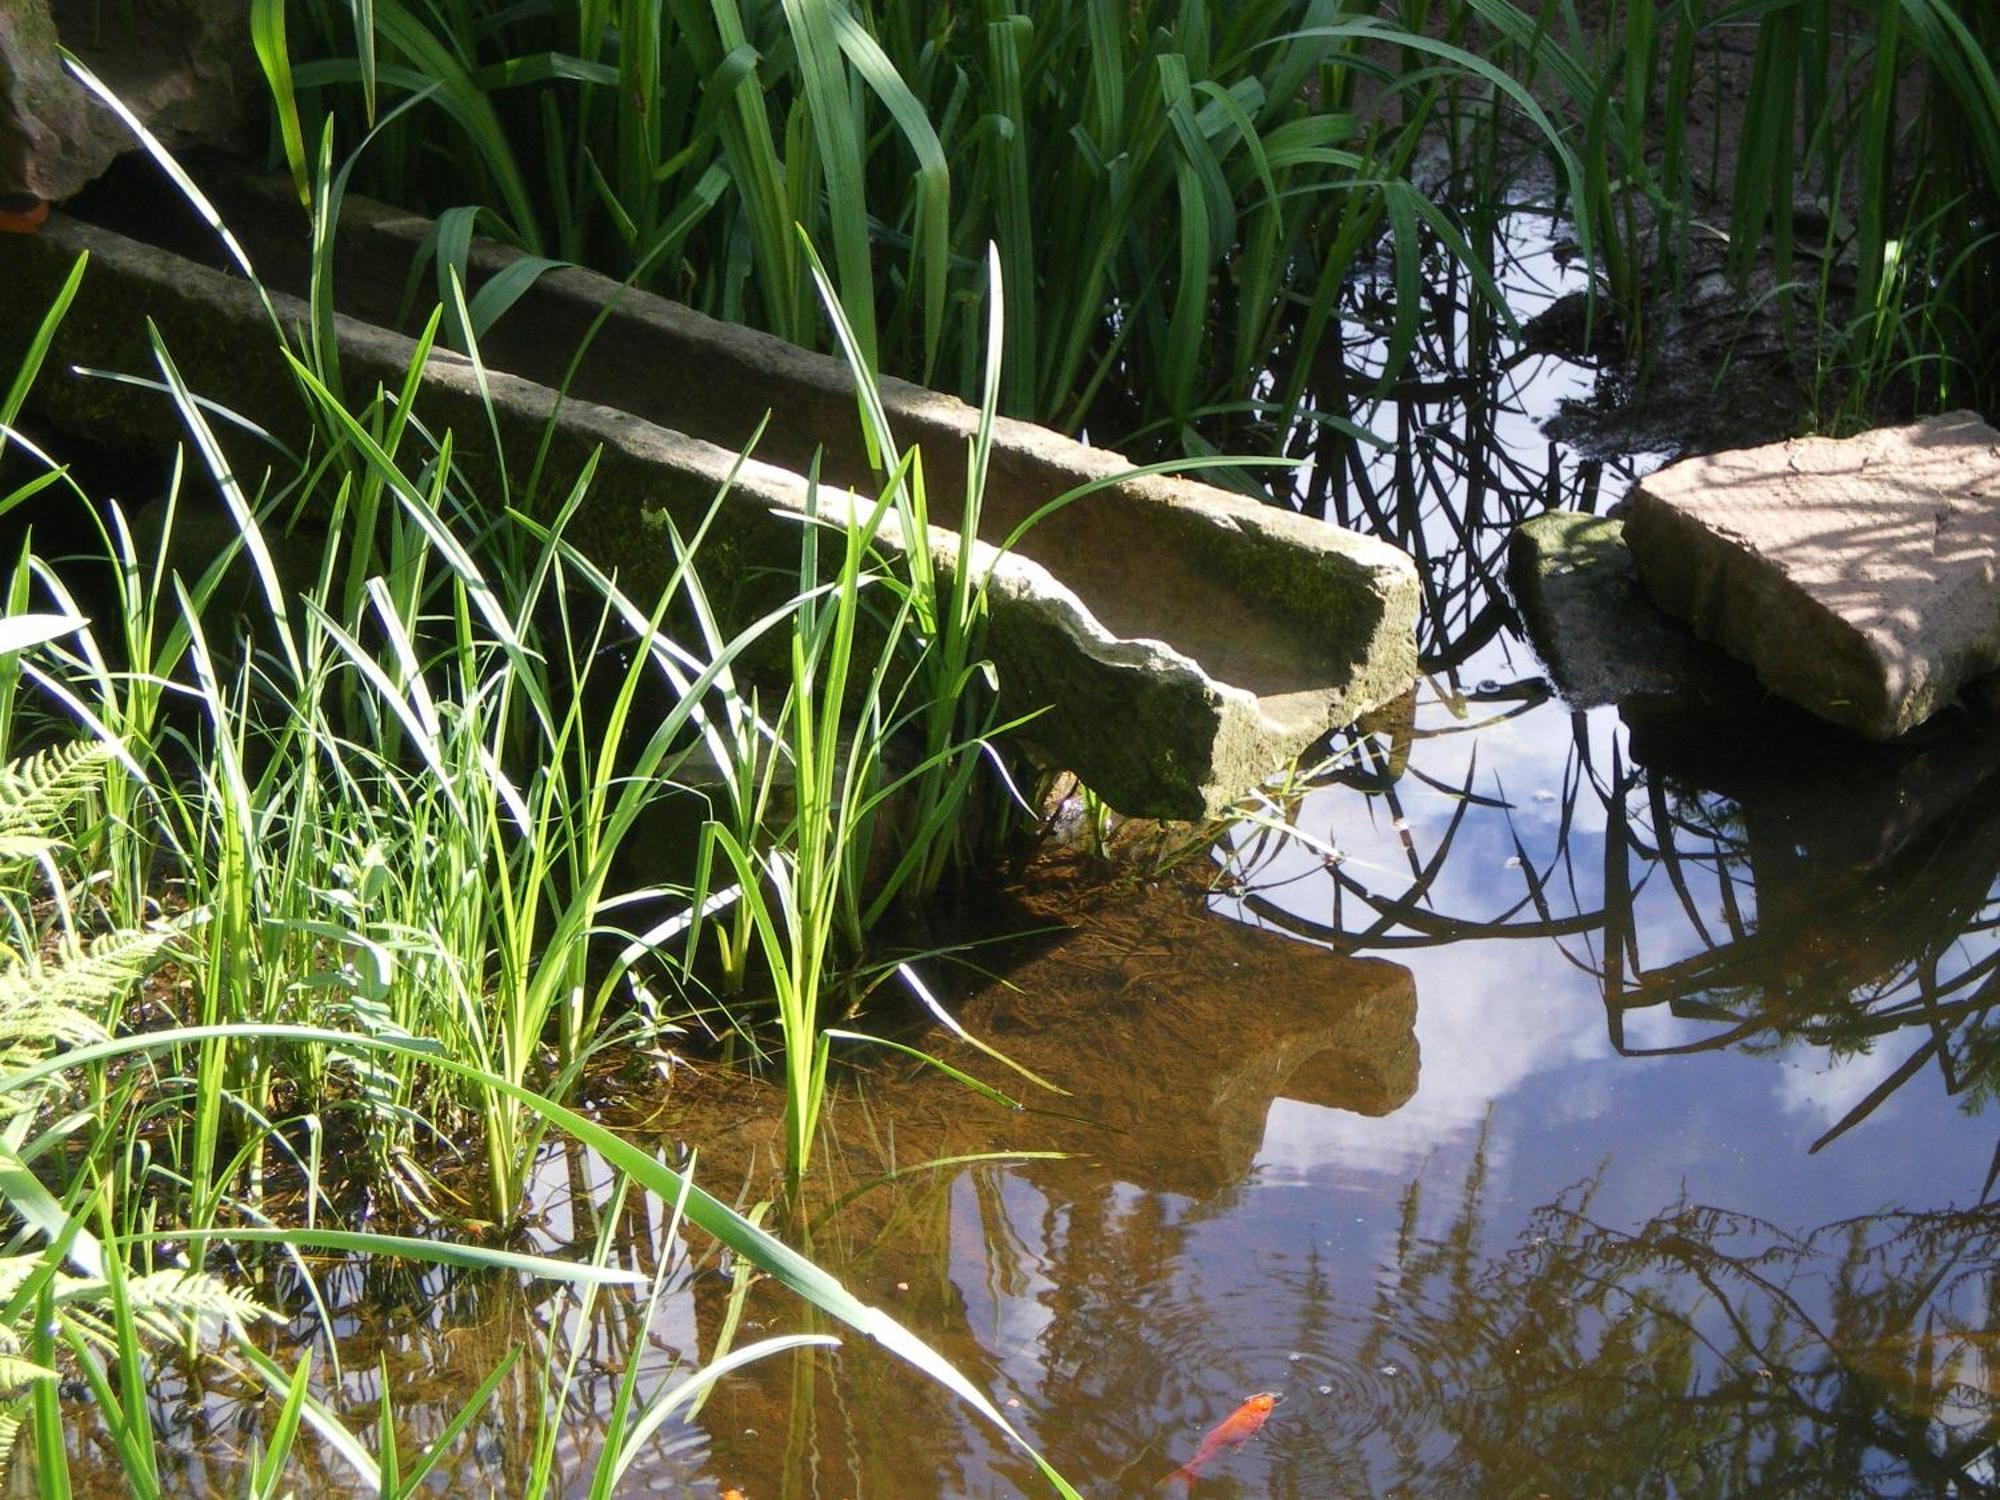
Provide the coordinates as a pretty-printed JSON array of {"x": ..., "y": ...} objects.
[
  {"x": 181, "y": 67},
  {"x": 1176, "y": 644},
  {"x": 1245, "y": 631},
  {"x": 1858, "y": 577}
]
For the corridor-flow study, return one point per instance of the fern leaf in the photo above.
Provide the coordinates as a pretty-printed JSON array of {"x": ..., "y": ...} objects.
[
  {"x": 59, "y": 1004},
  {"x": 14, "y": 1370},
  {"x": 183, "y": 1298},
  {"x": 36, "y": 791}
]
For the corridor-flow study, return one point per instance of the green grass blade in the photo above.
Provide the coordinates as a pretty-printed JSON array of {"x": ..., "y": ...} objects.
[
  {"x": 715, "y": 1218},
  {"x": 38, "y": 348},
  {"x": 267, "y": 36}
]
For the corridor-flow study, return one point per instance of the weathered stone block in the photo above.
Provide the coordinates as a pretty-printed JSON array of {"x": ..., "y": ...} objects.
[
  {"x": 177, "y": 66},
  {"x": 1176, "y": 650},
  {"x": 1242, "y": 632},
  {"x": 1856, "y": 576}
]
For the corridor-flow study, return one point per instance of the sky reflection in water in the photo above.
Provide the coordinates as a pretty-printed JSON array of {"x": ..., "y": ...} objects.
[{"x": 1759, "y": 1256}]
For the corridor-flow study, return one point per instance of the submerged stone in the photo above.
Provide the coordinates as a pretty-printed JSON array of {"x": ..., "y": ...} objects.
[
  {"x": 1579, "y": 595},
  {"x": 1169, "y": 1029},
  {"x": 1173, "y": 1030},
  {"x": 1855, "y": 576}
]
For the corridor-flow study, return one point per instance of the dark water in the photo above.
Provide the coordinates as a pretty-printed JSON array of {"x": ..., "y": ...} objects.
[{"x": 1583, "y": 1102}]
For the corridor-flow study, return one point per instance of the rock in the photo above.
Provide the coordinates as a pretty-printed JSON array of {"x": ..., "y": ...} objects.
[
  {"x": 1176, "y": 645},
  {"x": 1579, "y": 595},
  {"x": 177, "y": 66},
  {"x": 1856, "y": 576},
  {"x": 1219, "y": 1018},
  {"x": 1832, "y": 802},
  {"x": 1248, "y": 631}
]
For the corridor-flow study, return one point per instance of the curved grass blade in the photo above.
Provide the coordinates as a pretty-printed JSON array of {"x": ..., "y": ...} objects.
[{"x": 710, "y": 1214}]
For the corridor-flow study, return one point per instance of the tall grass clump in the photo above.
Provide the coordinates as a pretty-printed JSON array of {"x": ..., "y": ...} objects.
[
  {"x": 84, "y": 1287},
  {"x": 1177, "y": 192},
  {"x": 363, "y": 775},
  {"x": 411, "y": 819},
  {"x": 418, "y": 764},
  {"x": 1884, "y": 115}
]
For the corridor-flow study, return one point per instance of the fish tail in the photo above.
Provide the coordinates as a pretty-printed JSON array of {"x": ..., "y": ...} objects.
[{"x": 1186, "y": 1475}]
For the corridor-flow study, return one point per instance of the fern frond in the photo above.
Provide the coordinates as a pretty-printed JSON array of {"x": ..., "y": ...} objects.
[
  {"x": 59, "y": 1004},
  {"x": 36, "y": 791},
  {"x": 186, "y": 1297},
  {"x": 15, "y": 1371},
  {"x": 166, "y": 1307},
  {"x": 10, "y": 1429},
  {"x": 30, "y": 1019},
  {"x": 14, "y": 1269}
]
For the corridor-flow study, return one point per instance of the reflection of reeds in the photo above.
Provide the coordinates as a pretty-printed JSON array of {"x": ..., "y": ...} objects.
[
  {"x": 1705, "y": 906},
  {"x": 1730, "y": 1356},
  {"x": 1861, "y": 958},
  {"x": 1445, "y": 485}
]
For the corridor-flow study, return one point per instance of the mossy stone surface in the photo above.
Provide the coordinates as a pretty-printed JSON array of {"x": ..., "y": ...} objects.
[
  {"x": 1603, "y": 640},
  {"x": 1233, "y": 638}
]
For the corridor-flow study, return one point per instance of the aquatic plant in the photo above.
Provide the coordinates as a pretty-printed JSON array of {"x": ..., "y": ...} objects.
[
  {"x": 419, "y": 760},
  {"x": 384, "y": 820},
  {"x": 78, "y": 1295},
  {"x": 1177, "y": 192},
  {"x": 1899, "y": 272}
]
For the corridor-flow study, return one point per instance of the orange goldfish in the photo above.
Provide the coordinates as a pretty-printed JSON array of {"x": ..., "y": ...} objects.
[
  {"x": 1233, "y": 1431},
  {"x": 21, "y": 213}
]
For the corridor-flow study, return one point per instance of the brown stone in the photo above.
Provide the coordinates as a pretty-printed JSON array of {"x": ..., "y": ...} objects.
[
  {"x": 179, "y": 67},
  {"x": 1173, "y": 1030},
  {"x": 1175, "y": 651},
  {"x": 1856, "y": 576}
]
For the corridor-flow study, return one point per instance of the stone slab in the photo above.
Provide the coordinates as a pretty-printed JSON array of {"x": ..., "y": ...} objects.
[
  {"x": 1830, "y": 802},
  {"x": 180, "y": 69},
  {"x": 1857, "y": 577},
  {"x": 1603, "y": 640},
  {"x": 1301, "y": 626},
  {"x": 1176, "y": 656}
]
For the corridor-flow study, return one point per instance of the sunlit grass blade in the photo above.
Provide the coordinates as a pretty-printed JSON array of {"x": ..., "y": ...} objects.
[{"x": 779, "y": 1261}]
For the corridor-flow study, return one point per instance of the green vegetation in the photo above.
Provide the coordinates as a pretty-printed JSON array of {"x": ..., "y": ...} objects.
[
  {"x": 341, "y": 841},
  {"x": 1180, "y": 194},
  {"x": 1177, "y": 193},
  {"x": 371, "y": 801},
  {"x": 1854, "y": 173}
]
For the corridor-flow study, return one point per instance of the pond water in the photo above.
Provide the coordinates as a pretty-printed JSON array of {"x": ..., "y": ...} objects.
[
  {"x": 1585, "y": 1104},
  {"x": 1585, "y": 1101}
]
